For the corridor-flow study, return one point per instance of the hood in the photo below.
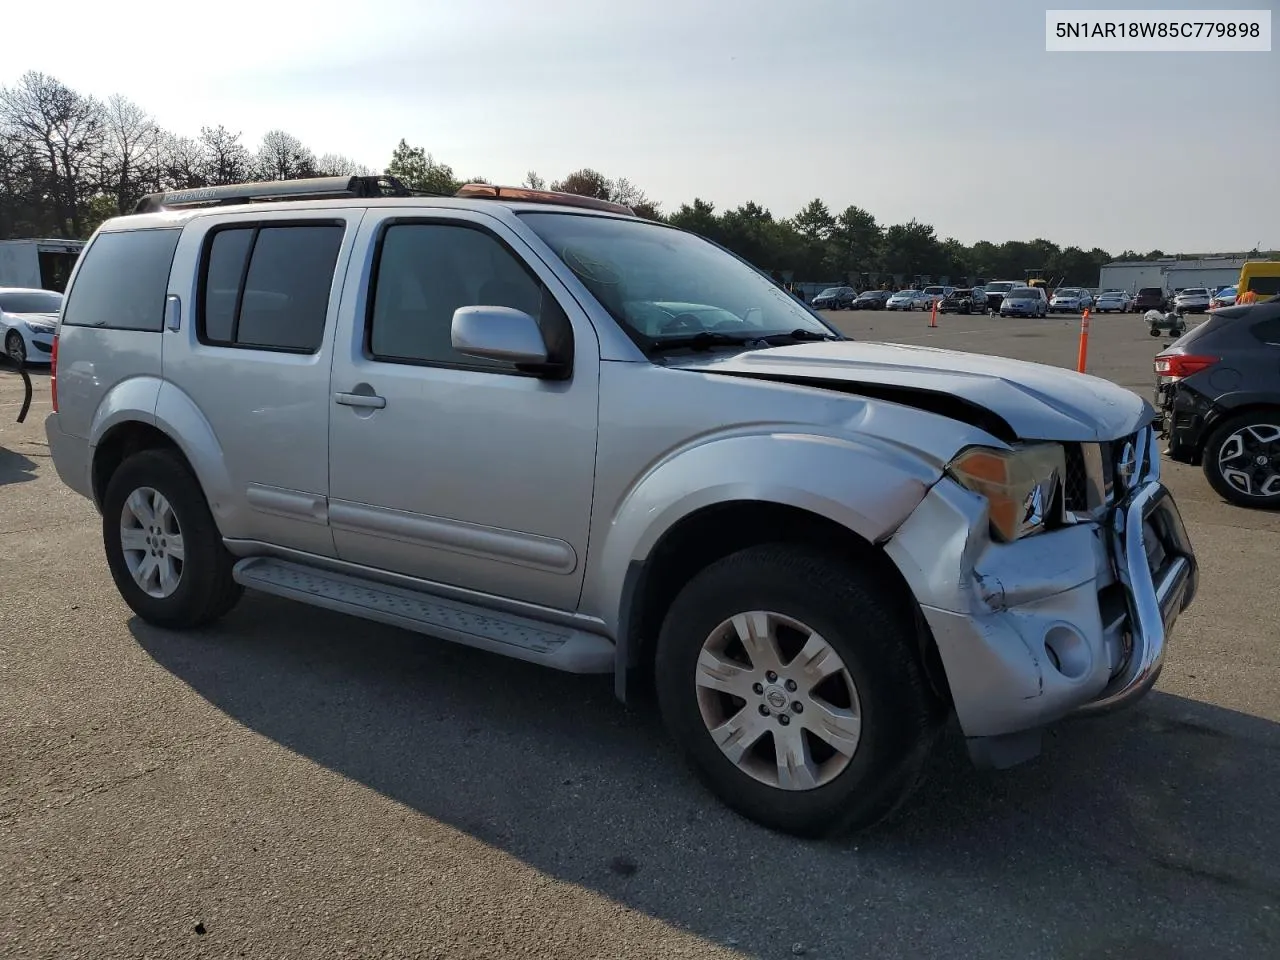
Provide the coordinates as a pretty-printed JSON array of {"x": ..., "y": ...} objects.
[
  {"x": 1011, "y": 399},
  {"x": 48, "y": 319}
]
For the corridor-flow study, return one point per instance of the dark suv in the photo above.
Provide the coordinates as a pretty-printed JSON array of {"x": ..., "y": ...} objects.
[
  {"x": 1218, "y": 389},
  {"x": 1150, "y": 298}
]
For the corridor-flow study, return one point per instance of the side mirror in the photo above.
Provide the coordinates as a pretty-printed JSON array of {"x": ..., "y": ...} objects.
[{"x": 499, "y": 333}]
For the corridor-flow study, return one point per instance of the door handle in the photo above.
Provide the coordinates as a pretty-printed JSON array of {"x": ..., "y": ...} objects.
[{"x": 360, "y": 400}]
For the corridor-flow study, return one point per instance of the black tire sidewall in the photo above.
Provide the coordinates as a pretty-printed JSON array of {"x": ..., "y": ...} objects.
[
  {"x": 1209, "y": 460},
  {"x": 892, "y": 743},
  {"x": 203, "y": 551}
]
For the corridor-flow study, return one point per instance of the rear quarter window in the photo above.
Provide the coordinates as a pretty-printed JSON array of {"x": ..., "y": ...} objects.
[
  {"x": 122, "y": 281},
  {"x": 1268, "y": 331}
]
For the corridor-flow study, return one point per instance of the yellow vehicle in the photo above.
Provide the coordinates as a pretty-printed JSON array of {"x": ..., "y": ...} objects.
[{"x": 1260, "y": 276}]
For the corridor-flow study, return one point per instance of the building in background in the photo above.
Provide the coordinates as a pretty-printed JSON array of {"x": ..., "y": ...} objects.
[{"x": 1171, "y": 273}]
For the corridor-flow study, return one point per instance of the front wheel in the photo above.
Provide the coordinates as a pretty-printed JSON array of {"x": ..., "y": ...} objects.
[
  {"x": 790, "y": 680},
  {"x": 1241, "y": 459},
  {"x": 16, "y": 348},
  {"x": 163, "y": 548}
]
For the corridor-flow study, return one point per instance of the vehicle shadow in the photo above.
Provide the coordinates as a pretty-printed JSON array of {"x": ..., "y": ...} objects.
[
  {"x": 15, "y": 468},
  {"x": 1158, "y": 822}
]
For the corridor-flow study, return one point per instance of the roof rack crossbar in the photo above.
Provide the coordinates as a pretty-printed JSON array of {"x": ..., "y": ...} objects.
[{"x": 311, "y": 188}]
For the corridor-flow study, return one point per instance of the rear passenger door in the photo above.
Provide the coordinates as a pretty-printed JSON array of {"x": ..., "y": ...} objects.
[{"x": 252, "y": 355}]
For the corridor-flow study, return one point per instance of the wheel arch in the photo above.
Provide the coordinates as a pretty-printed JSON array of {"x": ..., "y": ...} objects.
[
  {"x": 718, "y": 530},
  {"x": 1229, "y": 408},
  {"x": 174, "y": 422}
]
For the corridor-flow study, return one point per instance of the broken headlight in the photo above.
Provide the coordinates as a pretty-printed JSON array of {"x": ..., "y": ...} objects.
[{"x": 1021, "y": 485}]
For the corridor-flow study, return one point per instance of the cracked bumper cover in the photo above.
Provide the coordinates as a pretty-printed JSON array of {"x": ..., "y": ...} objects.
[{"x": 1069, "y": 621}]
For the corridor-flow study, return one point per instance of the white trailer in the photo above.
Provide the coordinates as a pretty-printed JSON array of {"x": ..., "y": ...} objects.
[{"x": 38, "y": 264}]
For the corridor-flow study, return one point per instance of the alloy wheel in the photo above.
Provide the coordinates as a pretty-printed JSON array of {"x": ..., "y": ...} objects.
[
  {"x": 151, "y": 540},
  {"x": 778, "y": 700},
  {"x": 1249, "y": 460}
]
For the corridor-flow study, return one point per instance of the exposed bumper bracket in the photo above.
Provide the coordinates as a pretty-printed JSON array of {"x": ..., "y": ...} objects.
[{"x": 1147, "y": 523}]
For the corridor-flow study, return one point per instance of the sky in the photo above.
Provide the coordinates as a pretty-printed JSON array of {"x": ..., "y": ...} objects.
[{"x": 947, "y": 111}]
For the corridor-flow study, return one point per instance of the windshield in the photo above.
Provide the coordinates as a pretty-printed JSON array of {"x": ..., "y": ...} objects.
[
  {"x": 1150, "y": 292},
  {"x": 1024, "y": 294},
  {"x": 933, "y": 290},
  {"x": 873, "y": 294},
  {"x": 1111, "y": 293},
  {"x": 31, "y": 301},
  {"x": 999, "y": 287},
  {"x": 664, "y": 284},
  {"x": 830, "y": 292},
  {"x": 1195, "y": 292}
]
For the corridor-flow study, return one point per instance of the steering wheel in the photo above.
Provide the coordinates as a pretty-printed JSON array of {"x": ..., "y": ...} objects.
[{"x": 682, "y": 323}]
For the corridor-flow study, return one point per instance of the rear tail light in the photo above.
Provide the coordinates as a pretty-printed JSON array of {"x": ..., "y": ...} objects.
[
  {"x": 1178, "y": 365},
  {"x": 53, "y": 374}
]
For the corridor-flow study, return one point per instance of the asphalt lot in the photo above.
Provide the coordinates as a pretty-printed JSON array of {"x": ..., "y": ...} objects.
[{"x": 293, "y": 783}]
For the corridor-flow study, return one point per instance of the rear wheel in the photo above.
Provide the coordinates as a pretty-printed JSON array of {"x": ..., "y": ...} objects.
[
  {"x": 163, "y": 548},
  {"x": 1241, "y": 459},
  {"x": 789, "y": 678}
]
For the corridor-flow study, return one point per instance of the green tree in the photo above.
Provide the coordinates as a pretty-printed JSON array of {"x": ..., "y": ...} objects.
[
  {"x": 911, "y": 248},
  {"x": 855, "y": 242},
  {"x": 418, "y": 170}
]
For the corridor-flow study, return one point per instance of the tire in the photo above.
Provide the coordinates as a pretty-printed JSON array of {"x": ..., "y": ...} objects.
[
  {"x": 204, "y": 590},
  {"x": 870, "y": 627},
  {"x": 16, "y": 348},
  {"x": 1265, "y": 432},
  {"x": 1155, "y": 331}
]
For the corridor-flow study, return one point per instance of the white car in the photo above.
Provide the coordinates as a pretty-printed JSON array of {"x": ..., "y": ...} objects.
[
  {"x": 902, "y": 300},
  {"x": 931, "y": 295},
  {"x": 1070, "y": 300},
  {"x": 1112, "y": 301},
  {"x": 1192, "y": 300},
  {"x": 28, "y": 318}
]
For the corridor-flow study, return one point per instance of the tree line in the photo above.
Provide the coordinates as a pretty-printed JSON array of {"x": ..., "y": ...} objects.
[{"x": 68, "y": 161}]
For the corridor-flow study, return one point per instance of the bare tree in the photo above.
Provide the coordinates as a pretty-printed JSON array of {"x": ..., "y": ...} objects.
[
  {"x": 181, "y": 163},
  {"x": 224, "y": 159},
  {"x": 64, "y": 130},
  {"x": 283, "y": 156},
  {"x": 337, "y": 165},
  {"x": 129, "y": 160}
]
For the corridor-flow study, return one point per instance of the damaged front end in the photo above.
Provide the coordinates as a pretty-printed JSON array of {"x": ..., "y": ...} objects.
[{"x": 1050, "y": 577}]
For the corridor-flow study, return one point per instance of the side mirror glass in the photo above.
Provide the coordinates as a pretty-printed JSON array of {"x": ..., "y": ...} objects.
[{"x": 499, "y": 333}]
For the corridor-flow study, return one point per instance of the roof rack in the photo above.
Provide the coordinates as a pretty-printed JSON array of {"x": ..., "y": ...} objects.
[
  {"x": 479, "y": 190},
  {"x": 312, "y": 188}
]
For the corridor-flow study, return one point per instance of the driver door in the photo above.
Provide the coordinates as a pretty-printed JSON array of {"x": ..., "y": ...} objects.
[{"x": 457, "y": 470}]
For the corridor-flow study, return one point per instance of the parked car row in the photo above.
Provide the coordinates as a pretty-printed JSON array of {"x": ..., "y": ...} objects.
[{"x": 990, "y": 298}]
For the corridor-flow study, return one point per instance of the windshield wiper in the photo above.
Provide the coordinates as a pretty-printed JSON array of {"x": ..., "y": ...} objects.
[
  {"x": 773, "y": 339},
  {"x": 703, "y": 340}
]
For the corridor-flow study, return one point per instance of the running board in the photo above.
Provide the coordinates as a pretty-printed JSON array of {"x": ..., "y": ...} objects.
[{"x": 561, "y": 648}]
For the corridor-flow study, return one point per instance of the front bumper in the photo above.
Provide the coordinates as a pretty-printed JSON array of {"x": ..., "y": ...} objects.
[{"x": 1071, "y": 621}]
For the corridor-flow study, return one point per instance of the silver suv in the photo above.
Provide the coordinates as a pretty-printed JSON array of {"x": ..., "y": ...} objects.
[{"x": 539, "y": 425}]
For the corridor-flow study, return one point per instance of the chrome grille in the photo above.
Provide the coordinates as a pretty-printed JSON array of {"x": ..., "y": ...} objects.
[{"x": 1095, "y": 471}]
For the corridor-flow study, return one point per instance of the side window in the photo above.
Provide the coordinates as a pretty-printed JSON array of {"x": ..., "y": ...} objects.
[
  {"x": 122, "y": 281},
  {"x": 267, "y": 286},
  {"x": 426, "y": 271},
  {"x": 1268, "y": 331}
]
